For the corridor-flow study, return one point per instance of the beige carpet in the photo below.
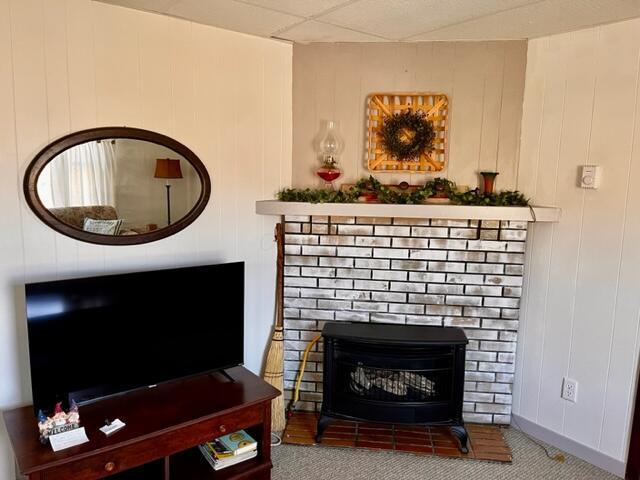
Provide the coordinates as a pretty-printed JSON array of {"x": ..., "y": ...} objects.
[{"x": 293, "y": 462}]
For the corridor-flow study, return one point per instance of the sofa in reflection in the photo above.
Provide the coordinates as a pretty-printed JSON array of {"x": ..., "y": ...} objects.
[{"x": 75, "y": 217}]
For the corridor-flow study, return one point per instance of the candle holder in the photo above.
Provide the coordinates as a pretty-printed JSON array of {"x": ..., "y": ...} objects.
[{"x": 489, "y": 179}]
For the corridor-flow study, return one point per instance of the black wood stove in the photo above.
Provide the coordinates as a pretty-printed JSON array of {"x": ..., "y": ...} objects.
[{"x": 394, "y": 374}]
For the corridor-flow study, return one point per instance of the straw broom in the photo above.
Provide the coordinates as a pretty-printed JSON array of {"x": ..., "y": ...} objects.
[{"x": 274, "y": 367}]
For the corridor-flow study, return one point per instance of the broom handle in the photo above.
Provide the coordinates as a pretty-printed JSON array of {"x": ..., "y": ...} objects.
[{"x": 279, "y": 233}]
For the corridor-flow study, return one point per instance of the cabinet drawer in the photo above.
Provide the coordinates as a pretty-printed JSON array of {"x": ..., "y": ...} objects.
[
  {"x": 98, "y": 466},
  {"x": 123, "y": 458},
  {"x": 190, "y": 436}
]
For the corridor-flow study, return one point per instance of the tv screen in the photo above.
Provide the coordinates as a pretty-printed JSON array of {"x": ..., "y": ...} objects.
[{"x": 97, "y": 336}]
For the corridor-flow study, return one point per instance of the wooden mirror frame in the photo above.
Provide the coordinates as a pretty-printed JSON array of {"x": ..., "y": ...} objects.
[{"x": 49, "y": 152}]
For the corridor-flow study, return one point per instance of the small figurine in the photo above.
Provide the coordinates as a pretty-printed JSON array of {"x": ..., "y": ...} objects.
[
  {"x": 44, "y": 425},
  {"x": 60, "y": 421},
  {"x": 74, "y": 415}
]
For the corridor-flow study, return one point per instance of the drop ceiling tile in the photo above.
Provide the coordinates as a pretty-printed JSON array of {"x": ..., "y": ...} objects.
[
  {"x": 311, "y": 31},
  {"x": 399, "y": 19},
  {"x": 232, "y": 15},
  {"x": 148, "y": 5},
  {"x": 303, "y": 8},
  {"x": 545, "y": 18},
  {"x": 406, "y": 20}
]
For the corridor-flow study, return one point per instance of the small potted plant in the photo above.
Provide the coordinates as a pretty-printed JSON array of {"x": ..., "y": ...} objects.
[
  {"x": 441, "y": 188},
  {"x": 368, "y": 192}
]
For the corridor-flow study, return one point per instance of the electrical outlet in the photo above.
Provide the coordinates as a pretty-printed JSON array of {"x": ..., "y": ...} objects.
[{"x": 569, "y": 389}]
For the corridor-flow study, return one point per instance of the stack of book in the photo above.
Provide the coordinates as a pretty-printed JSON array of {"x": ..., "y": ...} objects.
[{"x": 229, "y": 450}]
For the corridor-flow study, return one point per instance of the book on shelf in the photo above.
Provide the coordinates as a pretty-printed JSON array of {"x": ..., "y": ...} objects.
[
  {"x": 218, "y": 450},
  {"x": 238, "y": 442},
  {"x": 219, "y": 464},
  {"x": 236, "y": 450}
]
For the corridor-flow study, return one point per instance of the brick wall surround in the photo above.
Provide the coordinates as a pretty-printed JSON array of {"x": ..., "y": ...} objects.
[{"x": 463, "y": 273}]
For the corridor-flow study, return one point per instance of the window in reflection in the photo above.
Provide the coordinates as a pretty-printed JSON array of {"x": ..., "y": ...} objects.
[{"x": 111, "y": 187}]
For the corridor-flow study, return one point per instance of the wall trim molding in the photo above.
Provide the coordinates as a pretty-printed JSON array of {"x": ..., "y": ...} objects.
[{"x": 588, "y": 454}]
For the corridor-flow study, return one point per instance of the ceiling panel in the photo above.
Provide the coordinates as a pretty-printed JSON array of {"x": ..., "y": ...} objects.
[
  {"x": 398, "y": 19},
  {"x": 233, "y": 15},
  {"x": 303, "y": 8},
  {"x": 148, "y": 5},
  {"x": 312, "y": 31},
  {"x": 388, "y": 20},
  {"x": 536, "y": 20}
]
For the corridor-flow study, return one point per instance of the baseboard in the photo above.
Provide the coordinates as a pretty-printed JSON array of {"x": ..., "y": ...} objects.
[{"x": 588, "y": 454}]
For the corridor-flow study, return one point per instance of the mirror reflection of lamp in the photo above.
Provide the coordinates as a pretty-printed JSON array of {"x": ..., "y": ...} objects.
[{"x": 168, "y": 168}]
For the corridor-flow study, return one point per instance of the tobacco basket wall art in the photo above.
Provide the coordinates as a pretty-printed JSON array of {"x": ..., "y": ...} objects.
[{"x": 407, "y": 132}]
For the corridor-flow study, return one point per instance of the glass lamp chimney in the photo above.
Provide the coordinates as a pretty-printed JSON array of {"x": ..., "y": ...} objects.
[{"x": 331, "y": 144}]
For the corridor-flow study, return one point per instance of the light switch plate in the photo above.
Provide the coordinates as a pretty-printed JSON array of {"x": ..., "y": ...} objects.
[{"x": 590, "y": 176}]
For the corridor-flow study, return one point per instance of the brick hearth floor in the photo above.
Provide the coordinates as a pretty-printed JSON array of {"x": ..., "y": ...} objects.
[{"x": 486, "y": 442}]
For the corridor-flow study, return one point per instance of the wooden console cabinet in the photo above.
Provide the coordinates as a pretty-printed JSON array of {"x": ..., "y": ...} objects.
[{"x": 164, "y": 425}]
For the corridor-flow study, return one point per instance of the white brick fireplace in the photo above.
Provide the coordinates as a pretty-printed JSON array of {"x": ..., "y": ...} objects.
[{"x": 428, "y": 271}]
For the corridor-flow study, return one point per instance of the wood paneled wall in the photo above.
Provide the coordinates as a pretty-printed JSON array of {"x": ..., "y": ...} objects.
[
  {"x": 581, "y": 312},
  {"x": 67, "y": 65},
  {"x": 484, "y": 81}
]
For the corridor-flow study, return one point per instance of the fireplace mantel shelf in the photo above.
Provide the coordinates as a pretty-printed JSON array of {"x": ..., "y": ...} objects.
[{"x": 455, "y": 212}]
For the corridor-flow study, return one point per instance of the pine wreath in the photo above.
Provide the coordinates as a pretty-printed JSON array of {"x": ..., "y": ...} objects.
[{"x": 408, "y": 134}]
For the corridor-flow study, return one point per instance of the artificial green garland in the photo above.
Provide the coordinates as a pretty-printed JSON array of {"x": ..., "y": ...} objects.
[
  {"x": 506, "y": 198},
  {"x": 414, "y": 122},
  {"x": 385, "y": 194}
]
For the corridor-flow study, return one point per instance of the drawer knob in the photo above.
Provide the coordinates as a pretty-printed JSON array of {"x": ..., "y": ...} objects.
[
  {"x": 223, "y": 429},
  {"x": 109, "y": 467}
]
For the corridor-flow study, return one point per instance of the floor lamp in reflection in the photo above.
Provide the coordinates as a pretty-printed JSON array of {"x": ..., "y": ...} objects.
[{"x": 168, "y": 168}]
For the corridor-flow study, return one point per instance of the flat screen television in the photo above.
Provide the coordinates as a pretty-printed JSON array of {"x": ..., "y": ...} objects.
[{"x": 98, "y": 336}]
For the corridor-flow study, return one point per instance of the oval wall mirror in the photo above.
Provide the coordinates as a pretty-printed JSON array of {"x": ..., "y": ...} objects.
[{"x": 117, "y": 186}]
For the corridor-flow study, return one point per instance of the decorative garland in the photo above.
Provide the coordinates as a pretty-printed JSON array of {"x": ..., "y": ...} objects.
[
  {"x": 384, "y": 194},
  {"x": 414, "y": 123},
  {"x": 308, "y": 195},
  {"x": 506, "y": 198}
]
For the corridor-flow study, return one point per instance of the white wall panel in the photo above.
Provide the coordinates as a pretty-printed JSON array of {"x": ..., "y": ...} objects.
[
  {"x": 484, "y": 81},
  {"x": 11, "y": 246},
  {"x": 577, "y": 107},
  {"x": 581, "y": 315},
  {"x": 67, "y": 65}
]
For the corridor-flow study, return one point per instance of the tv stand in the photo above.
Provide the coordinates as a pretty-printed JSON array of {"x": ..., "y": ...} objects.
[{"x": 164, "y": 426}]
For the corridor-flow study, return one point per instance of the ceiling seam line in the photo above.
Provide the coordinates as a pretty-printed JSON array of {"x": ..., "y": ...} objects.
[{"x": 385, "y": 39}]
